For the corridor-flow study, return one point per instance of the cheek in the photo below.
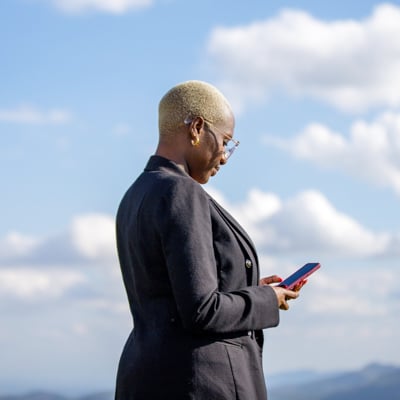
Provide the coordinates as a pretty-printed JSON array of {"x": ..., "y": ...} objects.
[
  {"x": 213, "y": 146},
  {"x": 213, "y": 160},
  {"x": 216, "y": 151},
  {"x": 219, "y": 154}
]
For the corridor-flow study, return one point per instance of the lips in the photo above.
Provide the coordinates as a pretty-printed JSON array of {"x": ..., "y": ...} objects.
[{"x": 214, "y": 171}]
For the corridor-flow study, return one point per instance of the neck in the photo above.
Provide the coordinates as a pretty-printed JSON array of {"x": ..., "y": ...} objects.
[{"x": 173, "y": 155}]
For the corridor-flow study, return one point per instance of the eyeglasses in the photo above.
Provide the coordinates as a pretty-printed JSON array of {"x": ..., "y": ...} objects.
[{"x": 230, "y": 144}]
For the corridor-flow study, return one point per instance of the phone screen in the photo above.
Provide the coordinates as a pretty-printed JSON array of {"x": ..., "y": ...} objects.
[{"x": 299, "y": 275}]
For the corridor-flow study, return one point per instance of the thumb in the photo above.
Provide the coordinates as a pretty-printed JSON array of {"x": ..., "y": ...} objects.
[{"x": 290, "y": 294}]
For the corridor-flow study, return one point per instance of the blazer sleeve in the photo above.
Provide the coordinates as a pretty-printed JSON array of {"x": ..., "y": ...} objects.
[{"x": 185, "y": 229}]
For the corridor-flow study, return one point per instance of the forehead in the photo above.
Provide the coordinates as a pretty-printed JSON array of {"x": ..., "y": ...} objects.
[{"x": 227, "y": 126}]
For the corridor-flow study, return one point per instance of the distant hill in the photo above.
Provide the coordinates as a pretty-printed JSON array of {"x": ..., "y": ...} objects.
[
  {"x": 374, "y": 382},
  {"x": 52, "y": 396},
  {"x": 34, "y": 396},
  {"x": 370, "y": 383}
]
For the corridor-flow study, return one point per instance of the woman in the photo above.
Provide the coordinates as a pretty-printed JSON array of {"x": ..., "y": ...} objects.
[{"x": 190, "y": 270}]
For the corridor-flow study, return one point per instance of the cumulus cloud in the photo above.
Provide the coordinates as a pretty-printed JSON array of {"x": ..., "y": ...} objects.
[
  {"x": 90, "y": 238},
  {"x": 93, "y": 236},
  {"x": 66, "y": 264},
  {"x": 340, "y": 293},
  {"x": 352, "y": 65},
  {"x": 371, "y": 151},
  {"x": 107, "y": 6},
  {"x": 31, "y": 284},
  {"x": 15, "y": 244},
  {"x": 79, "y": 263},
  {"x": 91, "y": 304},
  {"x": 306, "y": 228},
  {"x": 27, "y": 114},
  {"x": 307, "y": 224}
]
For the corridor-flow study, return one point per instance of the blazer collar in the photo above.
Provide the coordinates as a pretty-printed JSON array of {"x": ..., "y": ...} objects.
[{"x": 157, "y": 163}]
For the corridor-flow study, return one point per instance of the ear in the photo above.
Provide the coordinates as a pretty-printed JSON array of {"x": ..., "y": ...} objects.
[{"x": 196, "y": 127}]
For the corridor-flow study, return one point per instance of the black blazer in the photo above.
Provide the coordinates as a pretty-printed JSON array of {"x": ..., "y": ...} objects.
[{"x": 191, "y": 276}]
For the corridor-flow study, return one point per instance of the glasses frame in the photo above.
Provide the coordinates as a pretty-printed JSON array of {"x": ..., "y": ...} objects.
[{"x": 228, "y": 150}]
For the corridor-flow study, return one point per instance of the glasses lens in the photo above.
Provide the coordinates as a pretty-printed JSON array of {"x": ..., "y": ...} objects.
[{"x": 230, "y": 147}]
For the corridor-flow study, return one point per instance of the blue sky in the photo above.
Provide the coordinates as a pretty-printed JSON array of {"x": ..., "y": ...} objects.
[{"x": 314, "y": 86}]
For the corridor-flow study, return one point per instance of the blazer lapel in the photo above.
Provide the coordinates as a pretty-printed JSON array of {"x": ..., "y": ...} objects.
[{"x": 241, "y": 235}]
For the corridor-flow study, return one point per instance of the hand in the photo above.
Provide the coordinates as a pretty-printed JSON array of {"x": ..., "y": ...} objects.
[
  {"x": 283, "y": 295},
  {"x": 299, "y": 285},
  {"x": 270, "y": 279}
]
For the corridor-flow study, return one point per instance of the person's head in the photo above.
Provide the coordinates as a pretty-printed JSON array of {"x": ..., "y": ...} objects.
[{"x": 195, "y": 123}]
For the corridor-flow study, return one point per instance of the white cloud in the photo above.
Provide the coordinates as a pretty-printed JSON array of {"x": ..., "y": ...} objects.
[
  {"x": 107, "y": 6},
  {"x": 26, "y": 114},
  {"x": 283, "y": 230},
  {"x": 340, "y": 292},
  {"x": 338, "y": 288},
  {"x": 338, "y": 300},
  {"x": 93, "y": 235},
  {"x": 90, "y": 238},
  {"x": 80, "y": 262},
  {"x": 352, "y": 65},
  {"x": 307, "y": 224},
  {"x": 32, "y": 284},
  {"x": 66, "y": 291},
  {"x": 18, "y": 245},
  {"x": 307, "y": 228},
  {"x": 371, "y": 152}
]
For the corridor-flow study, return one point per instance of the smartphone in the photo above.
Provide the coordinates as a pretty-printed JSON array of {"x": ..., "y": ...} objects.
[{"x": 291, "y": 281}]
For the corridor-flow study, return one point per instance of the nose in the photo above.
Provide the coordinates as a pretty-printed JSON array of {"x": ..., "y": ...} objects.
[{"x": 223, "y": 160}]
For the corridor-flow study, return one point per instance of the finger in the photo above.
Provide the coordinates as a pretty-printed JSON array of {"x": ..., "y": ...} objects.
[
  {"x": 270, "y": 279},
  {"x": 284, "y": 306},
  {"x": 300, "y": 285},
  {"x": 291, "y": 294}
]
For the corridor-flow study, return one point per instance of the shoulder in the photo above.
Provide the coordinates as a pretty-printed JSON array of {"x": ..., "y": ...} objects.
[
  {"x": 165, "y": 187},
  {"x": 180, "y": 191}
]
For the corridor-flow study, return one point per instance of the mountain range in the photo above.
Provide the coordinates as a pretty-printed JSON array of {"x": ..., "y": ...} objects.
[{"x": 373, "y": 382}]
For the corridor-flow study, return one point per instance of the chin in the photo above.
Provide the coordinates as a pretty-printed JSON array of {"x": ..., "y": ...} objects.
[
  {"x": 201, "y": 179},
  {"x": 204, "y": 180}
]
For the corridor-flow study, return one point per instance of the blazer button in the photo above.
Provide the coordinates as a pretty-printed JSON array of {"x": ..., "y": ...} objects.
[{"x": 248, "y": 263}]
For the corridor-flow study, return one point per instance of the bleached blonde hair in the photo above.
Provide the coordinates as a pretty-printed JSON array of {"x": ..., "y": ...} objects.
[{"x": 188, "y": 100}]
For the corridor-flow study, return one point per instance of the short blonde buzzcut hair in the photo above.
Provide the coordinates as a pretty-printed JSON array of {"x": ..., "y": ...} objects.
[{"x": 188, "y": 100}]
